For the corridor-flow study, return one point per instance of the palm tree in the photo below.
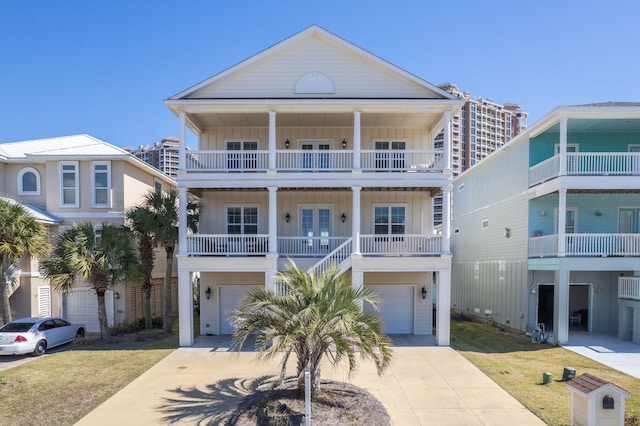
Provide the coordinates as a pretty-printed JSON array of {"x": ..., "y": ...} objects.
[
  {"x": 20, "y": 235},
  {"x": 142, "y": 225},
  {"x": 319, "y": 315},
  {"x": 163, "y": 207},
  {"x": 103, "y": 260}
]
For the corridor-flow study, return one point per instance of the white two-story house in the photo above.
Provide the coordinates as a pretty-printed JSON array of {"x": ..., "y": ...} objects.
[
  {"x": 546, "y": 230},
  {"x": 316, "y": 151}
]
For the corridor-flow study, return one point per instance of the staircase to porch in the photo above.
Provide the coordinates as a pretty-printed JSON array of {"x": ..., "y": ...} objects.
[{"x": 341, "y": 255}]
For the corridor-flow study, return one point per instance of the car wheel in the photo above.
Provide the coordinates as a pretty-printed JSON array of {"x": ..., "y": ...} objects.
[
  {"x": 80, "y": 333},
  {"x": 41, "y": 346}
]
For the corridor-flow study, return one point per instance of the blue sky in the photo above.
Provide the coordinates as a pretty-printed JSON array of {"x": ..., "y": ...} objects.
[{"x": 105, "y": 67}]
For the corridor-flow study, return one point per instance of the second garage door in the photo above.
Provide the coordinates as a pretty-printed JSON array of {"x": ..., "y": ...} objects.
[
  {"x": 396, "y": 310},
  {"x": 81, "y": 307},
  {"x": 231, "y": 296}
]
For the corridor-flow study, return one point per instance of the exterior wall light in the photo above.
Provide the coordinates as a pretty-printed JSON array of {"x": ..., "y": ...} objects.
[
  {"x": 344, "y": 143},
  {"x": 343, "y": 217},
  {"x": 424, "y": 292},
  {"x": 287, "y": 217},
  {"x": 208, "y": 293},
  {"x": 287, "y": 144}
]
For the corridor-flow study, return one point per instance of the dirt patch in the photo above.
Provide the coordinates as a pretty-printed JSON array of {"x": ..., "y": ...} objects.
[
  {"x": 337, "y": 404},
  {"x": 93, "y": 341}
]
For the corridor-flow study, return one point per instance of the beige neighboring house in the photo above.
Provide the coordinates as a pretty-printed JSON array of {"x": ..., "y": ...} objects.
[
  {"x": 77, "y": 179},
  {"x": 317, "y": 151}
]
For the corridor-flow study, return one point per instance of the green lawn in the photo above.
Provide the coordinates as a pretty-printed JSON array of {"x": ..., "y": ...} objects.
[{"x": 517, "y": 365}]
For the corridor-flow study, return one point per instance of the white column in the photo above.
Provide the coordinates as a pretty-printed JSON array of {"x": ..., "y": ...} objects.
[
  {"x": 182, "y": 146},
  {"x": 446, "y": 143},
  {"x": 357, "y": 280},
  {"x": 446, "y": 220},
  {"x": 272, "y": 140},
  {"x": 182, "y": 221},
  {"x": 355, "y": 212},
  {"x": 443, "y": 307},
  {"x": 563, "y": 146},
  {"x": 185, "y": 308},
  {"x": 273, "y": 220},
  {"x": 562, "y": 222},
  {"x": 561, "y": 307},
  {"x": 356, "y": 140}
]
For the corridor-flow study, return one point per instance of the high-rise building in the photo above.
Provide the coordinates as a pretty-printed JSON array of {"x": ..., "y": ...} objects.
[
  {"x": 162, "y": 155},
  {"x": 481, "y": 127}
]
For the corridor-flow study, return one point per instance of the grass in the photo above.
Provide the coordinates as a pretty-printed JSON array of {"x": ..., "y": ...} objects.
[
  {"x": 60, "y": 388},
  {"x": 517, "y": 365}
]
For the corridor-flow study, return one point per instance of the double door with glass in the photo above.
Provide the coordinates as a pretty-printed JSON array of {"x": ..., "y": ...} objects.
[{"x": 315, "y": 227}]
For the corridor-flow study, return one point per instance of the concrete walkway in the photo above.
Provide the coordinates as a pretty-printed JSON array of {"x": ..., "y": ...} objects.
[
  {"x": 608, "y": 350},
  {"x": 425, "y": 385}
]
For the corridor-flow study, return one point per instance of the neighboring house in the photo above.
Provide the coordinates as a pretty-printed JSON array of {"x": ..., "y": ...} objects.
[
  {"x": 68, "y": 180},
  {"x": 317, "y": 151},
  {"x": 518, "y": 262}
]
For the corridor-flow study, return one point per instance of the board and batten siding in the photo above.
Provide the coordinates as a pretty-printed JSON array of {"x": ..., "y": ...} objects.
[
  {"x": 350, "y": 74},
  {"x": 489, "y": 266}
]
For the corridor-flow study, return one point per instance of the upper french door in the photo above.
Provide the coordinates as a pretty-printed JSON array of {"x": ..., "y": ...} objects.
[
  {"x": 390, "y": 155},
  {"x": 628, "y": 220},
  {"x": 313, "y": 156},
  {"x": 244, "y": 159}
]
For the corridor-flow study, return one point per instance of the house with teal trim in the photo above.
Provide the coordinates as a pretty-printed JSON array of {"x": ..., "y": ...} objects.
[{"x": 546, "y": 230}]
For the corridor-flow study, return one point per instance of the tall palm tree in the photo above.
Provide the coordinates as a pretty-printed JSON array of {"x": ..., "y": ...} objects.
[
  {"x": 142, "y": 224},
  {"x": 164, "y": 210},
  {"x": 319, "y": 315},
  {"x": 20, "y": 235},
  {"x": 103, "y": 260}
]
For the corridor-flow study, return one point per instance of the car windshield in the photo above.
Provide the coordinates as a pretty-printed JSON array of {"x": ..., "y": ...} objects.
[{"x": 16, "y": 327}]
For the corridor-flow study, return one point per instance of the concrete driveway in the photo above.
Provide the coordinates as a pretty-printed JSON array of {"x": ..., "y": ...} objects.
[{"x": 425, "y": 385}]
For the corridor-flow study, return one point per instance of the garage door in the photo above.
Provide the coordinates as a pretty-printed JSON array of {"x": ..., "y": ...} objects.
[
  {"x": 82, "y": 308},
  {"x": 231, "y": 297},
  {"x": 396, "y": 310}
]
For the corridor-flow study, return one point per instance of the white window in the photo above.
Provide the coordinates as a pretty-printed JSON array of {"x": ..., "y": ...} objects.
[
  {"x": 101, "y": 183},
  {"x": 390, "y": 154},
  {"x": 69, "y": 192},
  {"x": 241, "y": 154},
  {"x": 242, "y": 220},
  {"x": 29, "y": 181},
  {"x": 389, "y": 220},
  {"x": 158, "y": 187}
]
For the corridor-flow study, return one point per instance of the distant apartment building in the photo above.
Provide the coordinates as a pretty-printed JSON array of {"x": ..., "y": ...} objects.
[
  {"x": 481, "y": 127},
  {"x": 162, "y": 155}
]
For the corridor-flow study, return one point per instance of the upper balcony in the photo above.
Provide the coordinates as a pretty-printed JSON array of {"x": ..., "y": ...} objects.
[
  {"x": 586, "y": 245},
  {"x": 587, "y": 164}
]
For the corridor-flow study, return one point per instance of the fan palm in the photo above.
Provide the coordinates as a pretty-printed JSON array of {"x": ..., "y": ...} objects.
[
  {"x": 163, "y": 207},
  {"x": 102, "y": 260},
  {"x": 142, "y": 224},
  {"x": 319, "y": 315},
  {"x": 20, "y": 235}
]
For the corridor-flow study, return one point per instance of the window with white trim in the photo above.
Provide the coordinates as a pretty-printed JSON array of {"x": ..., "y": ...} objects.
[
  {"x": 389, "y": 220},
  {"x": 242, "y": 220},
  {"x": 69, "y": 191},
  {"x": 28, "y": 181},
  {"x": 101, "y": 183},
  {"x": 390, "y": 154},
  {"x": 241, "y": 154}
]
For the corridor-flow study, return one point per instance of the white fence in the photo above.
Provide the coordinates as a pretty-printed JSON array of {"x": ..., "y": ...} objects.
[{"x": 308, "y": 246}]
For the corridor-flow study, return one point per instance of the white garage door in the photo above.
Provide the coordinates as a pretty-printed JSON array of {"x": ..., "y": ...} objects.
[
  {"x": 396, "y": 310},
  {"x": 231, "y": 297},
  {"x": 82, "y": 308}
]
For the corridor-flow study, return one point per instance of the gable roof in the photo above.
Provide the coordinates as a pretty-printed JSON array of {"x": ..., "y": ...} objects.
[
  {"x": 307, "y": 36},
  {"x": 586, "y": 384}
]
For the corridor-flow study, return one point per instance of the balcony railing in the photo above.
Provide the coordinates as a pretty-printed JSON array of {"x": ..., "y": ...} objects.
[
  {"x": 596, "y": 245},
  {"x": 292, "y": 160},
  {"x": 587, "y": 164},
  {"x": 629, "y": 288},
  {"x": 400, "y": 245},
  {"x": 208, "y": 244},
  {"x": 308, "y": 246}
]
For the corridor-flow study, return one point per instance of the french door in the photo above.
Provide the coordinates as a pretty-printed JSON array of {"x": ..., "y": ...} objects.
[
  {"x": 628, "y": 220},
  {"x": 315, "y": 155},
  {"x": 242, "y": 157},
  {"x": 390, "y": 155},
  {"x": 315, "y": 224}
]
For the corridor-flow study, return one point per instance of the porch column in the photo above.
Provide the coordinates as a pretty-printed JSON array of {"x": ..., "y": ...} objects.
[
  {"x": 561, "y": 307},
  {"x": 442, "y": 308},
  {"x": 562, "y": 222},
  {"x": 355, "y": 230},
  {"x": 356, "y": 140},
  {"x": 273, "y": 220},
  {"x": 182, "y": 145},
  {"x": 446, "y": 141},
  {"x": 272, "y": 140},
  {"x": 185, "y": 308},
  {"x": 182, "y": 221},
  {"x": 357, "y": 281},
  {"x": 563, "y": 146},
  {"x": 446, "y": 220}
]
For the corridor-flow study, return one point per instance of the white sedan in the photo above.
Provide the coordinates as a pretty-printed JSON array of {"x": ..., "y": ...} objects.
[{"x": 36, "y": 335}]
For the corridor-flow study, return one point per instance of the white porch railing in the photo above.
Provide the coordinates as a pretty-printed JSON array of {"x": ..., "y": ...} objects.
[
  {"x": 308, "y": 246},
  {"x": 339, "y": 255},
  {"x": 600, "y": 245},
  {"x": 629, "y": 288},
  {"x": 587, "y": 164},
  {"x": 295, "y": 160},
  {"x": 401, "y": 160},
  {"x": 415, "y": 244},
  {"x": 208, "y": 244}
]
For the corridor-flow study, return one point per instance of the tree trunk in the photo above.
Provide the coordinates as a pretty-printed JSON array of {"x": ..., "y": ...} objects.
[
  {"x": 167, "y": 290},
  {"x": 102, "y": 315},
  {"x": 5, "y": 305},
  {"x": 148, "y": 322}
]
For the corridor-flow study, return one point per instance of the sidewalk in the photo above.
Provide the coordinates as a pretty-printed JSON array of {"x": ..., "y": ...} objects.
[{"x": 425, "y": 385}]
